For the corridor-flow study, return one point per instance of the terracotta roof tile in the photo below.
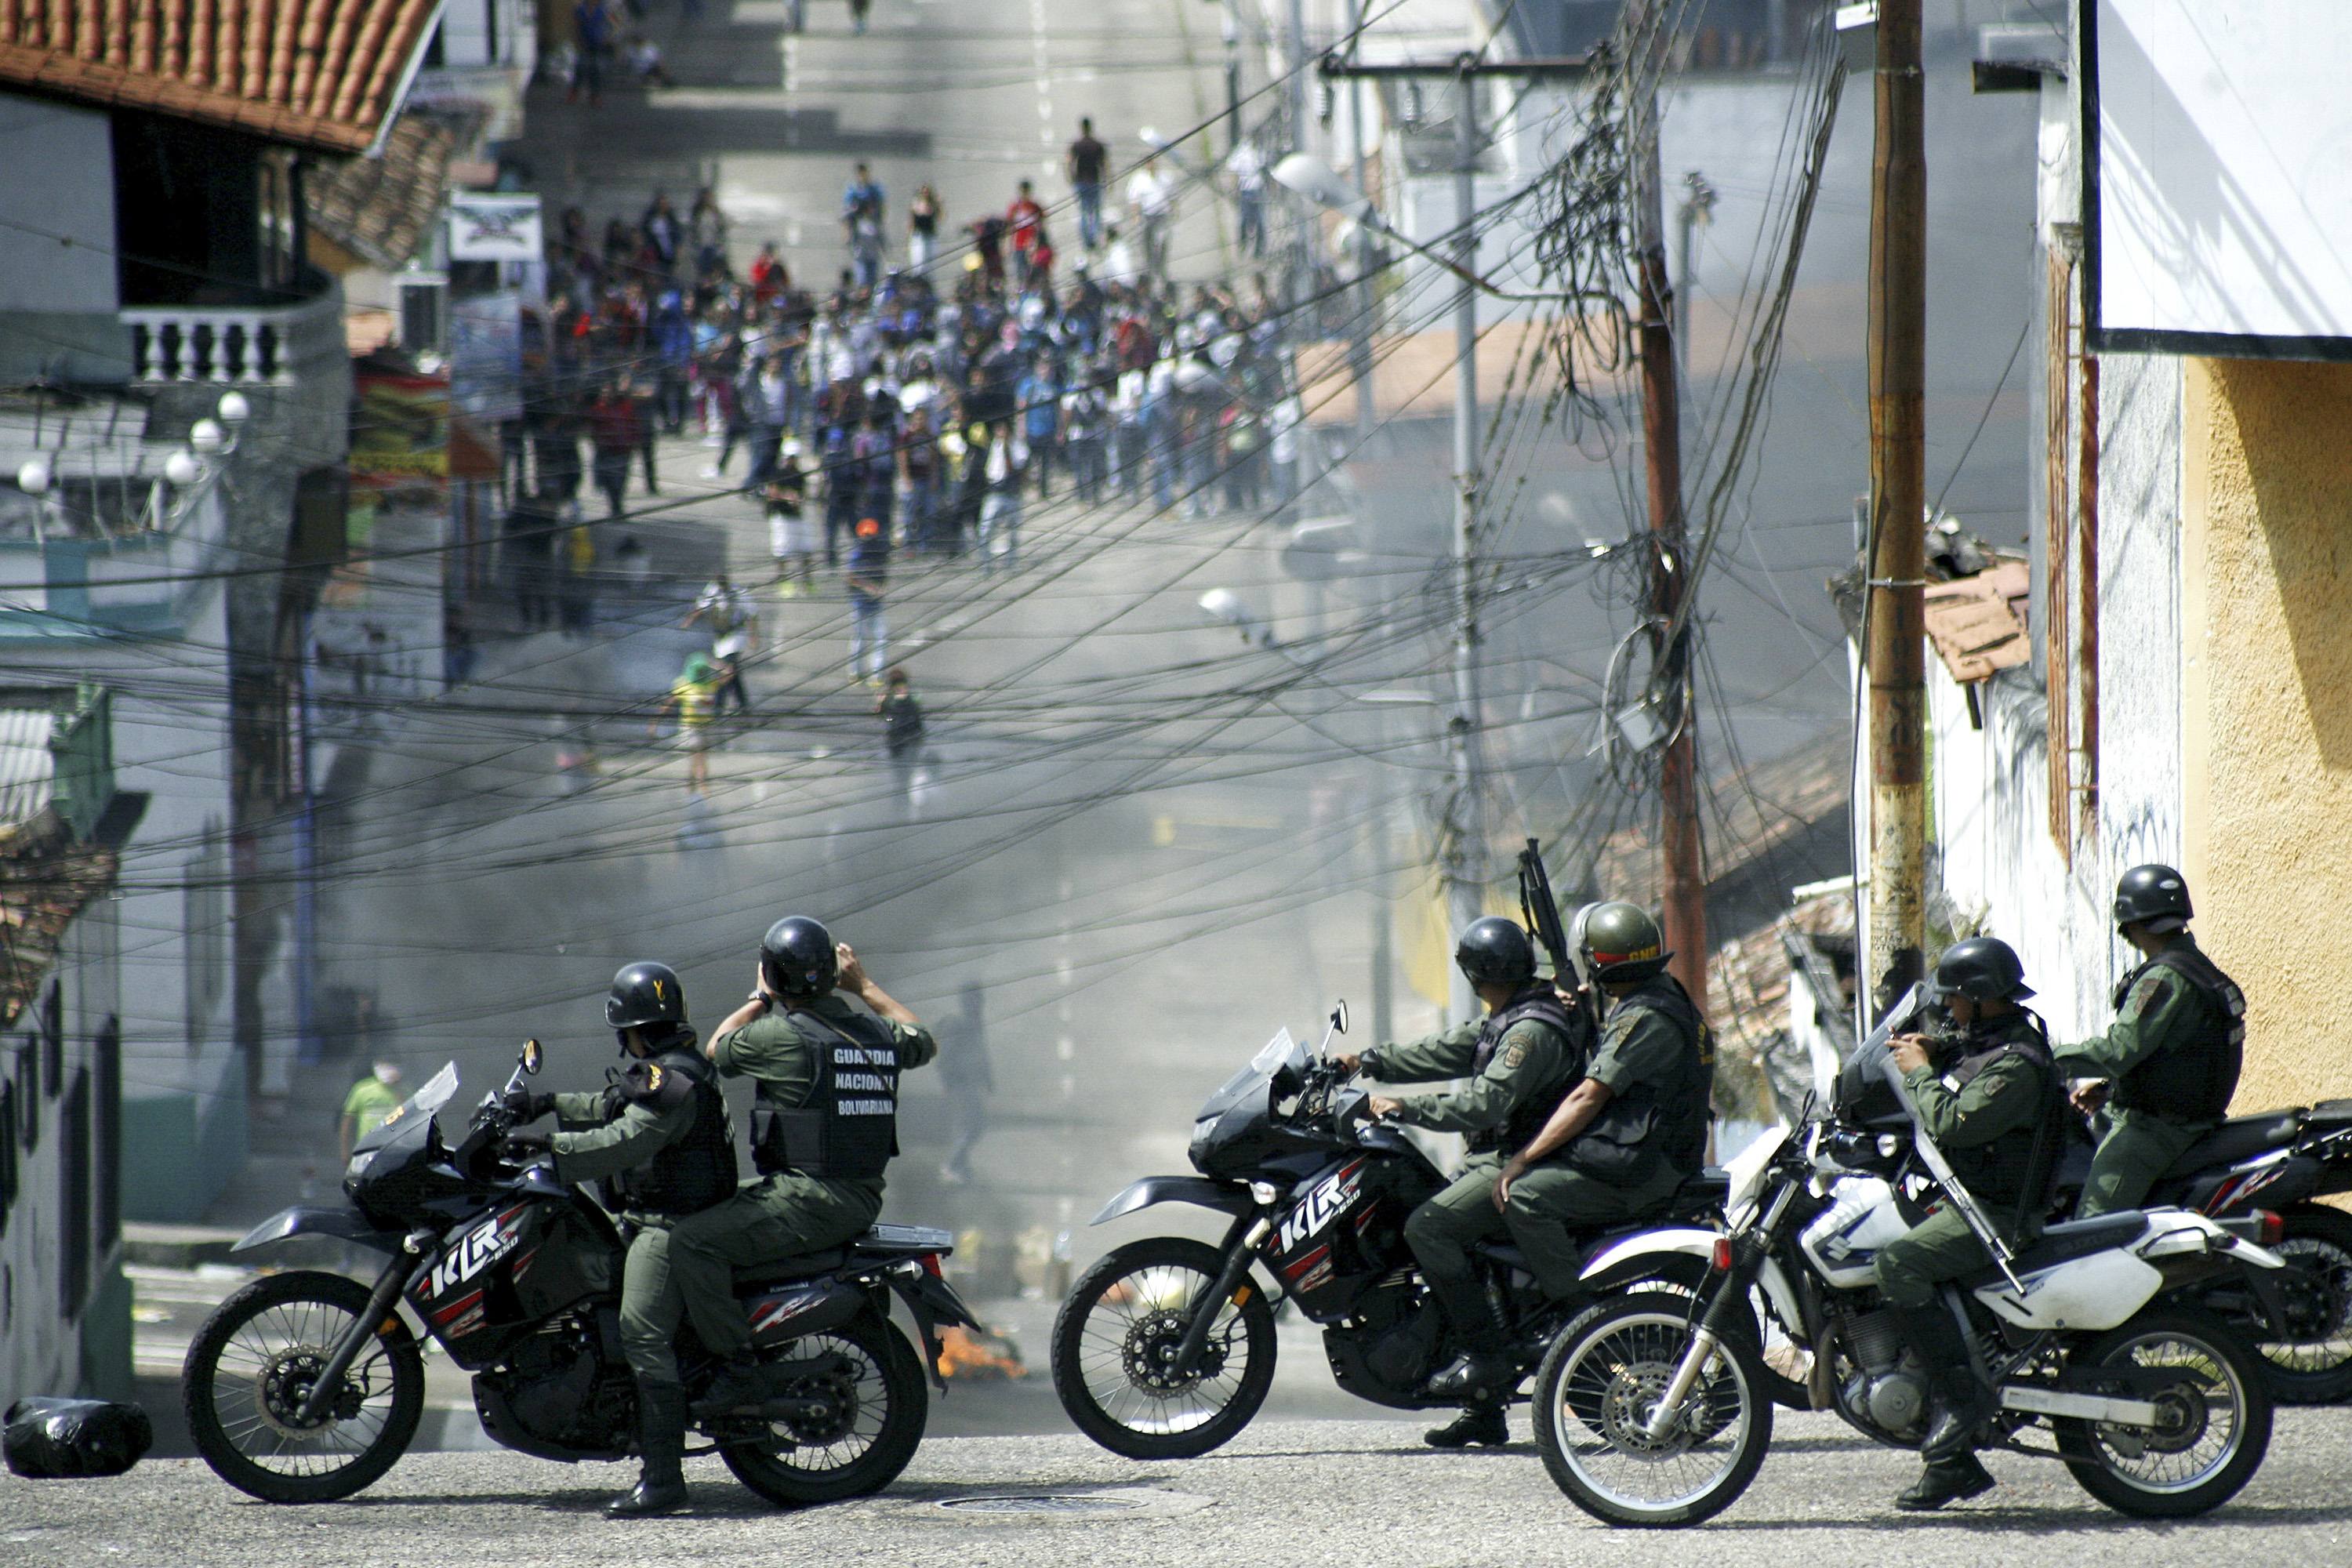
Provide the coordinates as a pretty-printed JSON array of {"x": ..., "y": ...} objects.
[{"x": 315, "y": 73}]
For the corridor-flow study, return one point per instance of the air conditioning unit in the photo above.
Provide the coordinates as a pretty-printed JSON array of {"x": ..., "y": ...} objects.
[{"x": 421, "y": 303}]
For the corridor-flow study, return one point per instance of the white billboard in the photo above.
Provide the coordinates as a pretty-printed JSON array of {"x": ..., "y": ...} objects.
[
  {"x": 2217, "y": 190},
  {"x": 494, "y": 227}
]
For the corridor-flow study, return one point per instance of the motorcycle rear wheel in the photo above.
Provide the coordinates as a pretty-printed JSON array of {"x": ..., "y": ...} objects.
[
  {"x": 254, "y": 1359},
  {"x": 2316, "y": 1367},
  {"x": 2177, "y": 1474},
  {"x": 1599, "y": 1382},
  {"x": 888, "y": 1408},
  {"x": 1132, "y": 1304}
]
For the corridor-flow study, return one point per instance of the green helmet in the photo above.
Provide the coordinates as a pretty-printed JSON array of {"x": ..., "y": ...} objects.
[{"x": 1622, "y": 942}]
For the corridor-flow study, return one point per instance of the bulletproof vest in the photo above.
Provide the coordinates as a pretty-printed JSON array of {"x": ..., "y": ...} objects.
[
  {"x": 1662, "y": 1121},
  {"x": 1526, "y": 1119},
  {"x": 690, "y": 1174},
  {"x": 2011, "y": 1175},
  {"x": 850, "y": 1125},
  {"x": 2193, "y": 1081}
]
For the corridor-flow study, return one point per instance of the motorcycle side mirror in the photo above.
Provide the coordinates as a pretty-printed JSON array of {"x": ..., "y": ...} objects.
[
  {"x": 533, "y": 1056},
  {"x": 1339, "y": 1016}
]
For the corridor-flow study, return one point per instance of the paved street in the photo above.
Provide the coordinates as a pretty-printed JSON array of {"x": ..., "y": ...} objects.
[{"x": 1339, "y": 1493}]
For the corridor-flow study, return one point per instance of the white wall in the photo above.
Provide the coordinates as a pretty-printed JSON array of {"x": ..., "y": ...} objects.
[{"x": 57, "y": 187}]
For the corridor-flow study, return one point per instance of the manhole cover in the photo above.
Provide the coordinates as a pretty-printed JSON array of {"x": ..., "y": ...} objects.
[{"x": 1041, "y": 1502}]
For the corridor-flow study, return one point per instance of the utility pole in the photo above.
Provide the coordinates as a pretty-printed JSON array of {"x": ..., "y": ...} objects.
[
  {"x": 1685, "y": 882},
  {"x": 1897, "y": 646},
  {"x": 1465, "y": 898},
  {"x": 1360, "y": 345},
  {"x": 1462, "y": 832}
]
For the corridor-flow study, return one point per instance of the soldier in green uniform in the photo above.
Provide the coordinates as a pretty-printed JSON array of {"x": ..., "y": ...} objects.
[
  {"x": 1993, "y": 1104},
  {"x": 1635, "y": 1128},
  {"x": 824, "y": 1128},
  {"x": 2169, "y": 1064},
  {"x": 659, "y": 1141},
  {"x": 1519, "y": 1061}
]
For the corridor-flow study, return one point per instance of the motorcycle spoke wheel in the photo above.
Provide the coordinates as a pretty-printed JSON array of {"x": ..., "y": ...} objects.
[
  {"x": 2214, "y": 1427},
  {"x": 1594, "y": 1397},
  {"x": 2315, "y": 1366},
  {"x": 253, "y": 1364},
  {"x": 1114, "y": 1351},
  {"x": 878, "y": 1409}
]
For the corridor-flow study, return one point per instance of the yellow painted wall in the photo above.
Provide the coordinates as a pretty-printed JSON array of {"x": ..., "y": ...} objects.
[{"x": 2266, "y": 625}]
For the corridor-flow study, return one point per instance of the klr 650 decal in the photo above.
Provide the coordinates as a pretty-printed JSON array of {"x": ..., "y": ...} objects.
[
  {"x": 1329, "y": 1199},
  {"x": 481, "y": 1247}
]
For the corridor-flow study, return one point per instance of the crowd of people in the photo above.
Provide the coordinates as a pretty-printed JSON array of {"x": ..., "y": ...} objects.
[{"x": 921, "y": 403}]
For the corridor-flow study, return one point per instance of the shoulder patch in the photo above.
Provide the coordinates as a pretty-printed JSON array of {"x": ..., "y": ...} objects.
[
  {"x": 1515, "y": 1053},
  {"x": 2154, "y": 990}
]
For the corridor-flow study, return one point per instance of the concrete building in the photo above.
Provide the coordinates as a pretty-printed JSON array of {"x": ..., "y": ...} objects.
[
  {"x": 65, "y": 1307},
  {"x": 177, "y": 426},
  {"x": 2176, "y": 683}
]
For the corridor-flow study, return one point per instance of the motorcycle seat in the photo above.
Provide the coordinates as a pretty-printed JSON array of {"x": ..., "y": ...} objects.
[
  {"x": 2064, "y": 1243},
  {"x": 2239, "y": 1137},
  {"x": 1710, "y": 1186},
  {"x": 1504, "y": 1253},
  {"x": 2330, "y": 1113}
]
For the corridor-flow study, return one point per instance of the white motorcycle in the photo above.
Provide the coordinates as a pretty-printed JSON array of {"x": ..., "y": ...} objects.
[{"x": 1648, "y": 1412}]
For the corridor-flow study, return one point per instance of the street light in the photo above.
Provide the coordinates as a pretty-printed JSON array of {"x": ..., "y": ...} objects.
[{"x": 33, "y": 478}]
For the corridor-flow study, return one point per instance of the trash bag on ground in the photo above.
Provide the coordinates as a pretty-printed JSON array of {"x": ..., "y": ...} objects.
[{"x": 63, "y": 1439}]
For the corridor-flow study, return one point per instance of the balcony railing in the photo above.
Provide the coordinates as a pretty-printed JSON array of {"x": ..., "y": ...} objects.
[{"x": 234, "y": 345}]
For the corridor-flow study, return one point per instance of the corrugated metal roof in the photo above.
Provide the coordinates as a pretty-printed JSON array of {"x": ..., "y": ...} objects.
[{"x": 27, "y": 766}]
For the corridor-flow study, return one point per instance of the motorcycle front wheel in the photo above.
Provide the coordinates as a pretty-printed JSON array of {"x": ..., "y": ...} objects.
[
  {"x": 870, "y": 1382},
  {"x": 1116, "y": 1336},
  {"x": 2214, "y": 1418},
  {"x": 1597, "y": 1391},
  {"x": 251, "y": 1368}
]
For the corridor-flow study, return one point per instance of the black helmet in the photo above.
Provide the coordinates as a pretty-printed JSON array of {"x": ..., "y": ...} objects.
[
  {"x": 644, "y": 995},
  {"x": 1984, "y": 968},
  {"x": 1622, "y": 942},
  {"x": 1495, "y": 952},
  {"x": 2153, "y": 896},
  {"x": 797, "y": 957}
]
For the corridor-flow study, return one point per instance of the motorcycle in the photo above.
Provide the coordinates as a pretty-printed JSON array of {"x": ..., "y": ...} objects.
[
  {"x": 1649, "y": 1410},
  {"x": 1164, "y": 1348},
  {"x": 2286, "y": 1159},
  {"x": 307, "y": 1386}
]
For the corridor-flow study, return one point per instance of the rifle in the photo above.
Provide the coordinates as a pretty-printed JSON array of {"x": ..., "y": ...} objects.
[{"x": 1542, "y": 910}]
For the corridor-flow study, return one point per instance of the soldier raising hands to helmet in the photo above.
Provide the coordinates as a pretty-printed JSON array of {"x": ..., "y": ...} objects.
[{"x": 824, "y": 1125}]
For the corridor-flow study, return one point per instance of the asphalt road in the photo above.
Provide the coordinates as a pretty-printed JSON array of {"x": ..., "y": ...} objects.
[{"x": 1304, "y": 1493}]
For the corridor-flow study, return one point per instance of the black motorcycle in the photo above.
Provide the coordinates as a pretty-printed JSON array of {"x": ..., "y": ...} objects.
[
  {"x": 1165, "y": 1347},
  {"x": 306, "y": 1387},
  {"x": 2281, "y": 1162}
]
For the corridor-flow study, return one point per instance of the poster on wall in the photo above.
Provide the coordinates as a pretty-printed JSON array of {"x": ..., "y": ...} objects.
[
  {"x": 501, "y": 228},
  {"x": 486, "y": 358},
  {"x": 377, "y": 636}
]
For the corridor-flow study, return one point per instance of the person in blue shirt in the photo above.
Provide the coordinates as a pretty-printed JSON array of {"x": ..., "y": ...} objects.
[{"x": 1039, "y": 398}]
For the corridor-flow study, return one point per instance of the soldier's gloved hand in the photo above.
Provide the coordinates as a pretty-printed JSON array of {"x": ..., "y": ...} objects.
[
  {"x": 522, "y": 1105},
  {"x": 522, "y": 1151}
]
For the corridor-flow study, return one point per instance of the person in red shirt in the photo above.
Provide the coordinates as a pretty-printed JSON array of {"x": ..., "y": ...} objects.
[
  {"x": 769, "y": 276},
  {"x": 615, "y": 428},
  {"x": 1026, "y": 220}
]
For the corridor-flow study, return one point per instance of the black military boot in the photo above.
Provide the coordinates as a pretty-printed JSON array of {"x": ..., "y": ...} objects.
[
  {"x": 1956, "y": 1406},
  {"x": 1946, "y": 1481},
  {"x": 661, "y": 1444},
  {"x": 1485, "y": 1370},
  {"x": 1476, "y": 1423},
  {"x": 740, "y": 1382}
]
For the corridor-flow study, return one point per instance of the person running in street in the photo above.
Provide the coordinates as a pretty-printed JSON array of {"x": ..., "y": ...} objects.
[
  {"x": 902, "y": 730},
  {"x": 693, "y": 699},
  {"x": 1152, "y": 193},
  {"x": 867, "y": 578},
  {"x": 793, "y": 535},
  {"x": 1086, "y": 164},
  {"x": 1246, "y": 165},
  {"x": 727, "y": 611}
]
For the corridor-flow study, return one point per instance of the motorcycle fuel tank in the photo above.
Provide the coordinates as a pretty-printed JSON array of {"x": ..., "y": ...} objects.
[
  {"x": 1344, "y": 1229},
  {"x": 1844, "y": 1239}
]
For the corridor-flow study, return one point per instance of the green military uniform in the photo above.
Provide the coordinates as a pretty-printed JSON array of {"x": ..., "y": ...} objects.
[
  {"x": 1531, "y": 1065},
  {"x": 784, "y": 1212},
  {"x": 1996, "y": 1118},
  {"x": 2164, "y": 1021},
  {"x": 1644, "y": 1055},
  {"x": 593, "y": 1144}
]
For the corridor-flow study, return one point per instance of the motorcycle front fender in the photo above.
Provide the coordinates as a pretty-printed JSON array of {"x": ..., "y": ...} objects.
[
  {"x": 1679, "y": 1241},
  {"x": 1226, "y": 1197},
  {"x": 303, "y": 1219}
]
